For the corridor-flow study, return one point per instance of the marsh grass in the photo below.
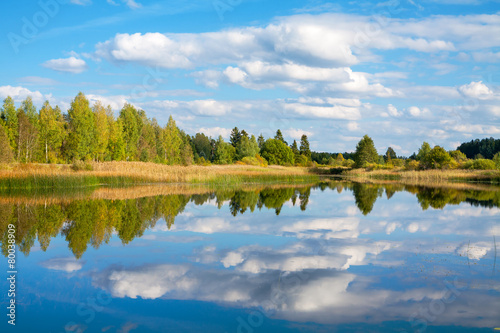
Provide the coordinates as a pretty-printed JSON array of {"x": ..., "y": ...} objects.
[
  {"x": 29, "y": 177},
  {"x": 428, "y": 176}
]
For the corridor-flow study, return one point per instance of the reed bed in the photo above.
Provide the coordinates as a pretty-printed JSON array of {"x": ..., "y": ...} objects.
[
  {"x": 428, "y": 176},
  {"x": 28, "y": 177}
]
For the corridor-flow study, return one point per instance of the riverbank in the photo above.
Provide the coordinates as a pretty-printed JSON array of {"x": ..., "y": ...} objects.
[
  {"x": 426, "y": 176},
  {"x": 64, "y": 176}
]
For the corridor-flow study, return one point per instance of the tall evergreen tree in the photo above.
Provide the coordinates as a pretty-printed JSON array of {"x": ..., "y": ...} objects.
[
  {"x": 390, "y": 154},
  {"x": 279, "y": 136},
  {"x": 261, "y": 141},
  {"x": 304, "y": 147},
  {"x": 235, "y": 137},
  {"x": 365, "y": 152}
]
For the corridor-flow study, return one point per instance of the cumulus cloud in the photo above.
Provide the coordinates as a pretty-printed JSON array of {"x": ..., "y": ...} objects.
[
  {"x": 20, "y": 93},
  {"x": 476, "y": 90},
  {"x": 296, "y": 133},
  {"x": 68, "y": 65}
]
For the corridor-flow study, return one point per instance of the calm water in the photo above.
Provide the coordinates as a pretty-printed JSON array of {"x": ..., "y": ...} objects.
[{"x": 333, "y": 257}]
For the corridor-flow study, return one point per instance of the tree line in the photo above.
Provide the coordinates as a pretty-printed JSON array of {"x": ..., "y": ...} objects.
[{"x": 93, "y": 133}]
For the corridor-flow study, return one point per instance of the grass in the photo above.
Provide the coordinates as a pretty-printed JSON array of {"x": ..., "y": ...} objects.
[
  {"x": 28, "y": 177},
  {"x": 428, "y": 176}
]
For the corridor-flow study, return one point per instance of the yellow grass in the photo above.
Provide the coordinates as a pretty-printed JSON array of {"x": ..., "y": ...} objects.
[
  {"x": 152, "y": 172},
  {"x": 434, "y": 176}
]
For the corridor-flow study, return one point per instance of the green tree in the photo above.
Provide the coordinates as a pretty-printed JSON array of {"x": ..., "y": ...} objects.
[
  {"x": 247, "y": 147},
  {"x": 172, "y": 142},
  {"x": 423, "y": 152},
  {"x": 304, "y": 147},
  {"x": 81, "y": 129},
  {"x": 102, "y": 130},
  {"x": 279, "y": 136},
  {"x": 390, "y": 155},
  {"x": 52, "y": 132},
  {"x": 295, "y": 149},
  {"x": 235, "y": 137},
  {"x": 27, "y": 138},
  {"x": 116, "y": 143},
  {"x": 496, "y": 160},
  {"x": 261, "y": 141},
  {"x": 132, "y": 127},
  {"x": 365, "y": 152},
  {"x": 437, "y": 158},
  {"x": 225, "y": 153},
  {"x": 277, "y": 152},
  {"x": 9, "y": 115},
  {"x": 202, "y": 145}
]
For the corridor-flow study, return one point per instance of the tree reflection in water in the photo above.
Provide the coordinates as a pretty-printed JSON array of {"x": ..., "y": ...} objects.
[{"x": 85, "y": 222}]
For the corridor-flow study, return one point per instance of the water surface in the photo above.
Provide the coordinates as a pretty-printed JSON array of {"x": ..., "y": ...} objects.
[{"x": 335, "y": 256}]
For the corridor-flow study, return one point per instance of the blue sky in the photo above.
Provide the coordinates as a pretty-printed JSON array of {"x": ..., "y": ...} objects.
[{"x": 402, "y": 72}]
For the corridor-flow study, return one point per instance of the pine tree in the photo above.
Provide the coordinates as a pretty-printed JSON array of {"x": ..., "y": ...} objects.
[
  {"x": 261, "y": 141},
  {"x": 279, "y": 136},
  {"x": 235, "y": 137},
  {"x": 304, "y": 147}
]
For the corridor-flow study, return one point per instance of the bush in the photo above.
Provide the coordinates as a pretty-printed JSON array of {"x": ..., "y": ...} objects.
[
  {"x": 261, "y": 160},
  {"x": 348, "y": 163},
  {"x": 79, "y": 165},
  {"x": 250, "y": 161},
  {"x": 480, "y": 164},
  {"x": 301, "y": 160},
  {"x": 412, "y": 165}
]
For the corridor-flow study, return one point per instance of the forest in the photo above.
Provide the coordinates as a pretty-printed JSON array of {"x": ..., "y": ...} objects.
[{"x": 92, "y": 133}]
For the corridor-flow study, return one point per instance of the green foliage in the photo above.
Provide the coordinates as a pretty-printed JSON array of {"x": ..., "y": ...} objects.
[
  {"x": 202, "y": 146},
  {"x": 225, "y": 153},
  {"x": 52, "y": 132},
  {"x": 458, "y": 156},
  {"x": 132, "y": 128},
  {"x": 235, "y": 137},
  {"x": 487, "y": 147},
  {"x": 250, "y": 160},
  {"x": 301, "y": 160},
  {"x": 9, "y": 115},
  {"x": 365, "y": 152},
  {"x": 480, "y": 164},
  {"x": 6, "y": 153},
  {"x": 277, "y": 152},
  {"x": 304, "y": 147},
  {"x": 172, "y": 142},
  {"x": 279, "y": 136},
  {"x": 81, "y": 129},
  {"x": 437, "y": 158},
  {"x": 247, "y": 147},
  {"x": 260, "y": 141},
  {"x": 390, "y": 154},
  {"x": 496, "y": 160},
  {"x": 423, "y": 152}
]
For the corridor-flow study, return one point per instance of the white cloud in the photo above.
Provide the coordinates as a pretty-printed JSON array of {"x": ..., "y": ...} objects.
[
  {"x": 296, "y": 133},
  {"x": 214, "y": 132},
  {"x": 476, "y": 90},
  {"x": 67, "y": 265},
  {"x": 20, "y": 93},
  {"x": 329, "y": 112},
  {"x": 393, "y": 111},
  {"x": 69, "y": 65},
  {"x": 353, "y": 126}
]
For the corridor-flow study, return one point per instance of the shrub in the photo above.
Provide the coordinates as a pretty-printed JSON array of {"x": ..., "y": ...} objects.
[
  {"x": 301, "y": 160},
  {"x": 412, "y": 165},
  {"x": 480, "y": 164},
  {"x": 249, "y": 161},
  {"x": 261, "y": 160},
  {"x": 79, "y": 165}
]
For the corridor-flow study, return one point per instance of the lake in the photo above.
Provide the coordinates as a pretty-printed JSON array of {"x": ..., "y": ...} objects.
[{"x": 335, "y": 256}]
